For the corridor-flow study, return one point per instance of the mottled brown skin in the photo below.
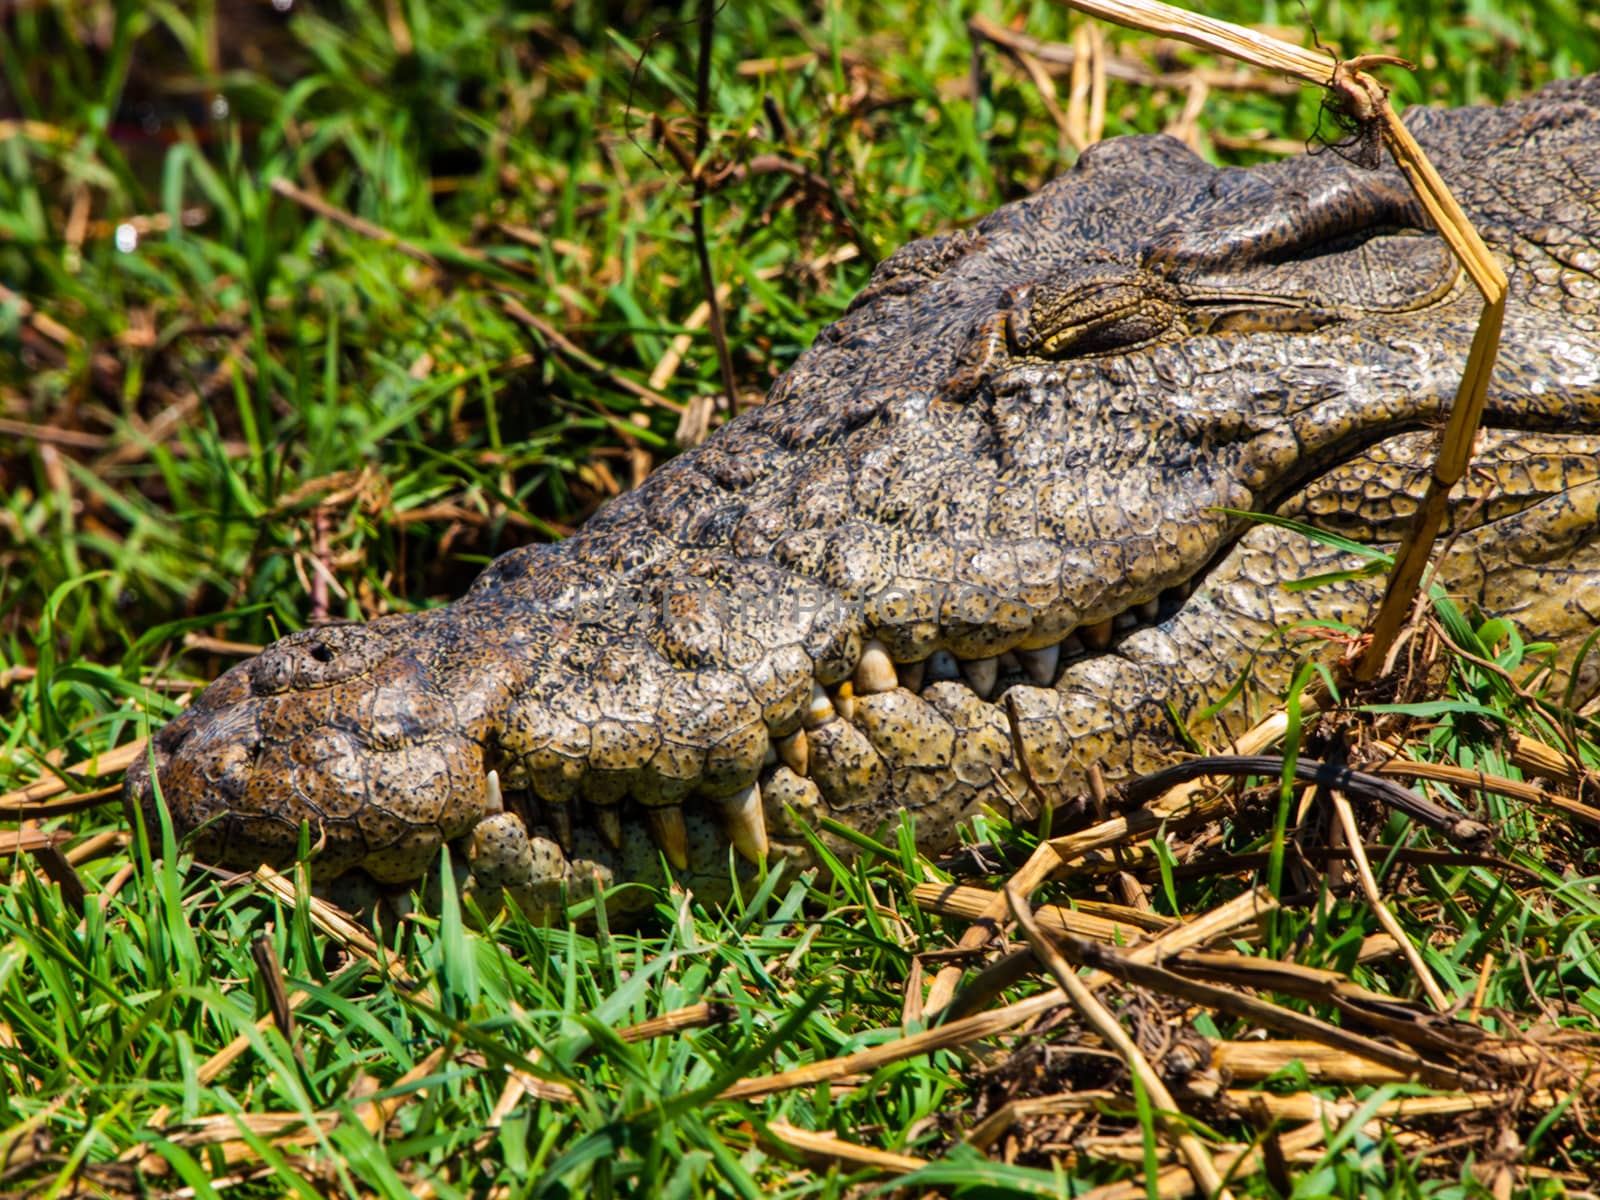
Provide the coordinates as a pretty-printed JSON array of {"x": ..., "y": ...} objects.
[{"x": 982, "y": 513}]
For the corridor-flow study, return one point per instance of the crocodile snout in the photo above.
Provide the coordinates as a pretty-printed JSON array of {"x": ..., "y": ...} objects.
[{"x": 354, "y": 737}]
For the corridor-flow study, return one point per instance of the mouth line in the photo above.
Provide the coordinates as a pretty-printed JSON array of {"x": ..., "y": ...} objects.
[{"x": 742, "y": 818}]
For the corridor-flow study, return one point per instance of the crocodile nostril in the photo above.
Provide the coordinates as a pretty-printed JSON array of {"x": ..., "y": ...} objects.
[{"x": 321, "y": 651}]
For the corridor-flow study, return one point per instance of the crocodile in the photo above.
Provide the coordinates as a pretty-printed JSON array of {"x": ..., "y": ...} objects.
[{"x": 991, "y": 532}]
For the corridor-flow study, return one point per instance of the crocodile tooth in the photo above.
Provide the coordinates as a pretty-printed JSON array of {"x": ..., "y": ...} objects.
[
  {"x": 875, "y": 672},
  {"x": 820, "y": 710},
  {"x": 981, "y": 675},
  {"x": 769, "y": 756},
  {"x": 942, "y": 666},
  {"x": 1150, "y": 610},
  {"x": 1041, "y": 664},
  {"x": 844, "y": 700},
  {"x": 493, "y": 801},
  {"x": 1071, "y": 646},
  {"x": 745, "y": 823},
  {"x": 1098, "y": 635},
  {"x": 911, "y": 675},
  {"x": 1124, "y": 620},
  {"x": 795, "y": 751},
  {"x": 669, "y": 832},
  {"x": 609, "y": 822}
]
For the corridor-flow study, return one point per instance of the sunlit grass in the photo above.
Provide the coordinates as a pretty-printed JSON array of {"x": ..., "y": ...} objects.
[{"x": 210, "y": 386}]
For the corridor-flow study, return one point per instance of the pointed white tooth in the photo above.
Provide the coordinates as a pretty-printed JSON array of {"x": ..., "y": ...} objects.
[
  {"x": 745, "y": 823},
  {"x": 609, "y": 822},
  {"x": 493, "y": 801},
  {"x": 942, "y": 666},
  {"x": 875, "y": 671},
  {"x": 1098, "y": 635},
  {"x": 981, "y": 675},
  {"x": 1040, "y": 665},
  {"x": 1185, "y": 589},
  {"x": 669, "y": 832},
  {"x": 820, "y": 710},
  {"x": 795, "y": 751},
  {"x": 844, "y": 700},
  {"x": 911, "y": 675},
  {"x": 1150, "y": 610},
  {"x": 1124, "y": 620}
]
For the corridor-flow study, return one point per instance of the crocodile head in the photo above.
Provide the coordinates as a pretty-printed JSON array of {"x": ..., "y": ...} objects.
[{"x": 982, "y": 536}]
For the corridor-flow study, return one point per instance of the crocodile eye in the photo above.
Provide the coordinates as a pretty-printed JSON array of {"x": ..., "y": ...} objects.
[{"x": 1089, "y": 309}]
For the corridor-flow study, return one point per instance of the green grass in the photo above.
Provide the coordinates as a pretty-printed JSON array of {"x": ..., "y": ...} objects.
[{"x": 193, "y": 422}]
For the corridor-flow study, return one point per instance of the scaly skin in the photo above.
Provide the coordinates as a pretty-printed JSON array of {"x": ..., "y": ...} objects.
[{"x": 982, "y": 515}]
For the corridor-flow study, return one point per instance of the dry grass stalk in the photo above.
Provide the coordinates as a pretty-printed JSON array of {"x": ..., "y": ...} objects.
[
  {"x": 993, "y": 1127},
  {"x": 1478, "y": 780},
  {"x": 290, "y": 1129},
  {"x": 1261, "y": 1012},
  {"x": 1194, "y": 1151},
  {"x": 360, "y": 225},
  {"x": 205, "y": 644},
  {"x": 989, "y": 923},
  {"x": 1243, "y": 910},
  {"x": 971, "y": 903},
  {"x": 1141, "y": 918},
  {"x": 1176, "y": 1183},
  {"x": 693, "y": 1016},
  {"x": 1455, "y": 444},
  {"x": 25, "y": 802},
  {"x": 569, "y": 351},
  {"x": 1536, "y": 758},
  {"x": 1128, "y": 70},
  {"x": 334, "y": 922},
  {"x": 1086, "y": 107},
  {"x": 1304, "y": 1106},
  {"x": 1253, "y": 1061},
  {"x": 831, "y": 1148},
  {"x": 954, "y": 1033},
  {"x": 1221, "y": 37},
  {"x": 1397, "y": 1018},
  {"x": 1369, "y": 886},
  {"x": 107, "y": 841},
  {"x": 27, "y": 841}
]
